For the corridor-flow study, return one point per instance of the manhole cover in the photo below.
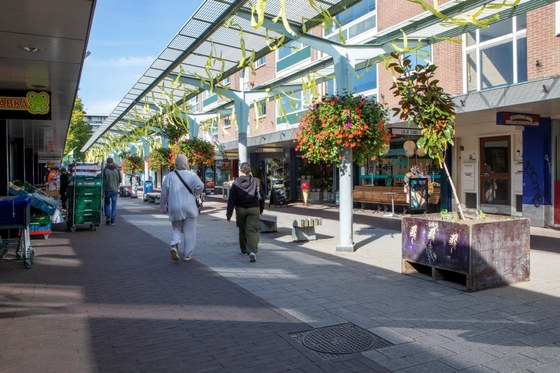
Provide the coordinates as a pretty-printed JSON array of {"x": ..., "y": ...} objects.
[{"x": 342, "y": 339}]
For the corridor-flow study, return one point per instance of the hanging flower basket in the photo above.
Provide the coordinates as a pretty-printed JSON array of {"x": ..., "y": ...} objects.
[
  {"x": 198, "y": 152},
  {"x": 337, "y": 122},
  {"x": 161, "y": 158},
  {"x": 133, "y": 164}
]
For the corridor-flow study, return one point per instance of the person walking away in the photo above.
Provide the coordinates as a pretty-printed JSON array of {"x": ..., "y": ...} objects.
[
  {"x": 63, "y": 187},
  {"x": 112, "y": 179},
  {"x": 246, "y": 197},
  {"x": 180, "y": 203}
]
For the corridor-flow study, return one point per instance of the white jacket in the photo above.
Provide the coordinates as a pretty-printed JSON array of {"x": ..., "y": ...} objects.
[{"x": 175, "y": 199}]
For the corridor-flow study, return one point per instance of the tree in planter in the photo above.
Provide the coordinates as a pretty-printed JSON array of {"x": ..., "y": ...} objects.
[{"x": 423, "y": 102}]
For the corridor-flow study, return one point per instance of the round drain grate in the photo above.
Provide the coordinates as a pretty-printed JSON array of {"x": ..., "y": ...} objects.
[{"x": 339, "y": 339}]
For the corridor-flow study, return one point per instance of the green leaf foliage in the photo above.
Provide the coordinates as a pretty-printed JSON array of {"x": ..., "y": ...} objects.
[
  {"x": 79, "y": 131},
  {"x": 423, "y": 102}
]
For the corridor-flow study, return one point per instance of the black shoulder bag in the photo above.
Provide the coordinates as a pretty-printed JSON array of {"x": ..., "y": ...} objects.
[{"x": 197, "y": 199}]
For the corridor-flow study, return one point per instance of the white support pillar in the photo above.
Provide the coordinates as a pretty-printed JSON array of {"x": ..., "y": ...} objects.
[
  {"x": 343, "y": 73},
  {"x": 242, "y": 117},
  {"x": 146, "y": 155}
]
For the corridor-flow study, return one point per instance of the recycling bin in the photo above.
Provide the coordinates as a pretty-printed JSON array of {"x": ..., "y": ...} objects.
[{"x": 148, "y": 186}]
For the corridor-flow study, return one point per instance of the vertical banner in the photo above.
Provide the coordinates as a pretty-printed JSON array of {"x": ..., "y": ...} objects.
[{"x": 537, "y": 164}]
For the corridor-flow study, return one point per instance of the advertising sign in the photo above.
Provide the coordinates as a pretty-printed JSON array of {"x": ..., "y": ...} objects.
[
  {"x": 517, "y": 119},
  {"x": 25, "y": 105}
]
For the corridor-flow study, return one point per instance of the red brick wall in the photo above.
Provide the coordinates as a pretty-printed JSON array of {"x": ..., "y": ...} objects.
[
  {"x": 447, "y": 56},
  {"x": 542, "y": 43}
]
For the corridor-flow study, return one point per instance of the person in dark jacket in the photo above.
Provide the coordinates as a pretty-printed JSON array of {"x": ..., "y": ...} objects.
[
  {"x": 63, "y": 190},
  {"x": 246, "y": 197},
  {"x": 111, "y": 180}
]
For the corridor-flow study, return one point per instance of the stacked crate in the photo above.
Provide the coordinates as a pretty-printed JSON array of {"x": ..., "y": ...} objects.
[
  {"x": 40, "y": 225},
  {"x": 84, "y": 201}
]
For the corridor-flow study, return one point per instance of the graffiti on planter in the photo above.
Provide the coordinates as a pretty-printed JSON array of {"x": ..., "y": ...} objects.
[
  {"x": 453, "y": 241},
  {"x": 531, "y": 171},
  {"x": 412, "y": 234},
  {"x": 432, "y": 233},
  {"x": 438, "y": 243}
]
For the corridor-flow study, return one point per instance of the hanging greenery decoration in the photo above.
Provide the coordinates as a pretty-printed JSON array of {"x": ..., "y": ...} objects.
[
  {"x": 132, "y": 164},
  {"x": 198, "y": 151},
  {"x": 337, "y": 122},
  {"x": 161, "y": 157}
]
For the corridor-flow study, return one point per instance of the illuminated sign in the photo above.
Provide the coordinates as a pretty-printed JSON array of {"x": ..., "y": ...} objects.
[
  {"x": 25, "y": 105},
  {"x": 517, "y": 119}
]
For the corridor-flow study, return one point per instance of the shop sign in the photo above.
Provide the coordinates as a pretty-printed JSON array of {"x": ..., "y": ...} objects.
[
  {"x": 517, "y": 119},
  {"x": 25, "y": 105},
  {"x": 405, "y": 131}
]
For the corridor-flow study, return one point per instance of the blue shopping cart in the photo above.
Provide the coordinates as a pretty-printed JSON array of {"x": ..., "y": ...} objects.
[{"x": 15, "y": 214}]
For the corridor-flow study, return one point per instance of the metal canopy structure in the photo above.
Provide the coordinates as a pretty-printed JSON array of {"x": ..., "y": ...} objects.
[
  {"x": 213, "y": 30},
  {"x": 216, "y": 27}
]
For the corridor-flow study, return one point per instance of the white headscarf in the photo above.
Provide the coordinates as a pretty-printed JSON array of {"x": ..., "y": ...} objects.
[{"x": 181, "y": 162}]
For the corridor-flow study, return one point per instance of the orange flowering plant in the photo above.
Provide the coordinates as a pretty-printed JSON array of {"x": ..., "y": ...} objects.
[
  {"x": 347, "y": 121},
  {"x": 198, "y": 151},
  {"x": 161, "y": 157},
  {"x": 132, "y": 163}
]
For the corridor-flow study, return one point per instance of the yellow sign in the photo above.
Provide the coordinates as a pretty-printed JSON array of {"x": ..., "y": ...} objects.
[{"x": 31, "y": 102}]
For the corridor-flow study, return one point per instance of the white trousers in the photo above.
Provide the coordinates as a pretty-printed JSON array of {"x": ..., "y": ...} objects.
[{"x": 184, "y": 236}]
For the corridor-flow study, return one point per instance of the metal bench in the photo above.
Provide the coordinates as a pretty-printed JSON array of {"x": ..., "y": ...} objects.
[
  {"x": 303, "y": 229},
  {"x": 152, "y": 197}
]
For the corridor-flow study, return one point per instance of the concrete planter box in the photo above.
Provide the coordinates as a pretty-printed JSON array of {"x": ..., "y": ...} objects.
[{"x": 477, "y": 254}]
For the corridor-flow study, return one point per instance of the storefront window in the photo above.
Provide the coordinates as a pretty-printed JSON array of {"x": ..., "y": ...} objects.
[{"x": 223, "y": 172}]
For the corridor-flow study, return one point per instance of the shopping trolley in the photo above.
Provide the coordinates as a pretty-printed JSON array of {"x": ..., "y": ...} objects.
[{"x": 15, "y": 214}]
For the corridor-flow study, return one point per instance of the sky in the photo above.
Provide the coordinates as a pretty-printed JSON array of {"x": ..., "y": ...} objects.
[{"x": 125, "y": 38}]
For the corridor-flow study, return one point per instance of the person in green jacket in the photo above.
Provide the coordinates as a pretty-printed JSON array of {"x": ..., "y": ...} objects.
[{"x": 111, "y": 181}]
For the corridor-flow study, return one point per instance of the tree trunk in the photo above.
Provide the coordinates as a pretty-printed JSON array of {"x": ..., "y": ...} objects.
[{"x": 459, "y": 207}]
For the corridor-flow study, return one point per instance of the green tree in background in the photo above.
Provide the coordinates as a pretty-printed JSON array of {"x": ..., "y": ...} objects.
[{"x": 79, "y": 132}]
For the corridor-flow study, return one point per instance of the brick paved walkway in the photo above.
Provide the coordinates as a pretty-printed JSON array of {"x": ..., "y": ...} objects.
[{"x": 112, "y": 301}]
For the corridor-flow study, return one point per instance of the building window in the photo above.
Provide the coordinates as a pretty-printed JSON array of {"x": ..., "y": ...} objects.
[
  {"x": 364, "y": 82},
  {"x": 355, "y": 21},
  {"x": 557, "y": 18},
  {"x": 193, "y": 103},
  {"x": 227, "y": 122},
  {"x": 291, "y": 54},
  {"x": 261, "y": 107},
  {"x": 288, "y": 49},
  {"x": 496, "y": 56},
  {"x": 260, "y": 62},
  {"x": 292, "y": 104},
  {"x": 226, "y": 81},
  {"x": 421, "y": 56}
]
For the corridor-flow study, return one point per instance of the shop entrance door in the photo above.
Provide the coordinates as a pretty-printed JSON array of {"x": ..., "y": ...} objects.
[{"x": 495, "y": 174}]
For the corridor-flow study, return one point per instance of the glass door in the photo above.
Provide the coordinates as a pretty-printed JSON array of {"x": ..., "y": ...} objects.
[{"x": 495, "y": 174}]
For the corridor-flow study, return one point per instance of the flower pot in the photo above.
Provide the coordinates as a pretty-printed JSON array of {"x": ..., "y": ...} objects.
[{"x": 477, "y": 254}]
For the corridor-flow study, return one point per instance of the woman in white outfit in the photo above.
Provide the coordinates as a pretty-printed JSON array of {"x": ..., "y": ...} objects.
[{"x": 180, "y": 203}]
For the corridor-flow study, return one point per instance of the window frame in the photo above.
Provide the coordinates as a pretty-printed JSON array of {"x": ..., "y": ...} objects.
[{"x": 479, "y": 47}]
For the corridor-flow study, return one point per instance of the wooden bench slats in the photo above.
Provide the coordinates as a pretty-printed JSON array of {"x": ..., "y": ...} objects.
[{"x": 374, "y": 195}]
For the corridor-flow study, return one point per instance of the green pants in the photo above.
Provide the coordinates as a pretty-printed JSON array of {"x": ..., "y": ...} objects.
[{"x": 248, "y": 223}]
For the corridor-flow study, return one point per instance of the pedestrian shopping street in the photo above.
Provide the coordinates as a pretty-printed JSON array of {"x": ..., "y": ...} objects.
[{"x": 113, "y": 301}]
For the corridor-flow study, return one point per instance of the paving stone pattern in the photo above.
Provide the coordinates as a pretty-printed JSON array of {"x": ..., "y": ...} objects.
[{"x": 112, "y": 301}]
